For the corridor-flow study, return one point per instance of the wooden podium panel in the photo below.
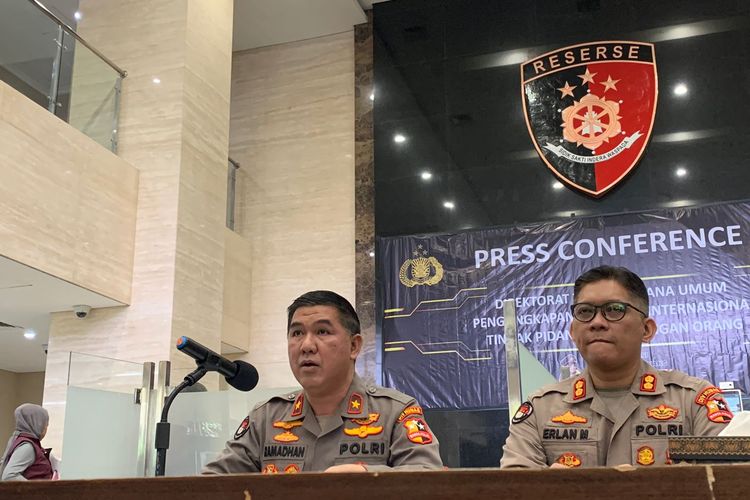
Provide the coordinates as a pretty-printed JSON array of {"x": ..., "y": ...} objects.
[{"x": 684, "y": 482}]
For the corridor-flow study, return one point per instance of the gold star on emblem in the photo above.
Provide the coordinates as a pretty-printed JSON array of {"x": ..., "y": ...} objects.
[
  {"x": 587, "y": 77},
  {"x": 355, "y": 404},
  {"x": 567, "y": 90},
  {"x": 610, "y": 83},
  {"x": 298, "y": 405}
]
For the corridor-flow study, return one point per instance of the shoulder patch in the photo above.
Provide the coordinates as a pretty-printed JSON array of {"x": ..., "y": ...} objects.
[
  {"x": 706, "y": 394},
  {"x": 409, "y": 411},
  {"x": 579, "y": 389},
  {"x": 243, "y": 428},
  {"x": 718, "y": 411},
  {"x": 524, "y": 412}
]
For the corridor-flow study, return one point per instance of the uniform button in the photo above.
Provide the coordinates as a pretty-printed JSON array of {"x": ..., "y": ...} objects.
[
  {"x": 290, "y": 396},
  {"x": 372, "y": 390}
]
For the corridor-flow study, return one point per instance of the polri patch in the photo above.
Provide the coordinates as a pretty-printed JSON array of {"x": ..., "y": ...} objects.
[
  {"x": 645, "y": 455},
  {"x": 524, "y": 412},
  {"x": 243, "y": 428}
]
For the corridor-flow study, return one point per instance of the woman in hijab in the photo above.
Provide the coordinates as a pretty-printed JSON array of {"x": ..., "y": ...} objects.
[{"x": 24, "y": 457}]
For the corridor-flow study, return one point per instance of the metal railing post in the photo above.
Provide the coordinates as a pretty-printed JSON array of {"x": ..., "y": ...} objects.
[
  {"x": 56, "y": 64},
  {"x": 512, "y": 364}
]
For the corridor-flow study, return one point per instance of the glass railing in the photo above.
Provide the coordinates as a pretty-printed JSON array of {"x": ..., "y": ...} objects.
[{"x": 44, "y": 59}]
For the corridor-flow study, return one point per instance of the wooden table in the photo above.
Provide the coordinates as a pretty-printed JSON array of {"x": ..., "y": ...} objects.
[{"x": 683, "y": 482}]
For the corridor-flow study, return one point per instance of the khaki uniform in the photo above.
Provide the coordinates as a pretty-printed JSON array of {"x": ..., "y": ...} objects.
[
  {"x": 380, "y": 428},
  {"x": 570, "y": 423}
]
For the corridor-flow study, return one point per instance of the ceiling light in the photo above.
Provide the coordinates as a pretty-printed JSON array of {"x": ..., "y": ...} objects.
[
  {"x": 426, "y": 175},
  {"x": 77, "y": 16},
  {"x": 680, "y": 89},
  {"x": 157, "y": 81},
  {"x": 449, "y": 205},
  {"x": 29, "y": 334},
  {"x": 372, "y": 254},
  {"x": 557, "y": 185},
  {"x": 398, "y": 138},
  {"x": 680, "y": 172}
]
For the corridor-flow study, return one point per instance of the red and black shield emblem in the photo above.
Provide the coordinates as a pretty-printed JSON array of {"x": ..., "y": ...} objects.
[{"x": 590, "y": 110}]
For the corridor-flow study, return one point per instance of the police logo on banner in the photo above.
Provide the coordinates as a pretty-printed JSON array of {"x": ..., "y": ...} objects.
[
  {"x": 590, "y": 110},
  {"x": 422, "y": 269}
]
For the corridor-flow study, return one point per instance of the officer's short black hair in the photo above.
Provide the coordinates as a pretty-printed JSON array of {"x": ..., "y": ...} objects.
[
  {"x": 624, "y": 276},
  {"x": 347, "y": 314}
]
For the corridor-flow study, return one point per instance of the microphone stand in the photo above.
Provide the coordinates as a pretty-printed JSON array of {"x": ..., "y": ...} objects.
[{"x": 163, "y": 427}]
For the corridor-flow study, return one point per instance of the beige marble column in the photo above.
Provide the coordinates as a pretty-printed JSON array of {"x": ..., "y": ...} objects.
[
  {"x": 174, "y": 127},
  {"x": 292, "y": 132}
]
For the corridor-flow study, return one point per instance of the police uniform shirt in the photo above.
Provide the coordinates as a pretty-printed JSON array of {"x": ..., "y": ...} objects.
[
  {"x": 572, "y": 424},
  {"x": 377, "y": 427}
]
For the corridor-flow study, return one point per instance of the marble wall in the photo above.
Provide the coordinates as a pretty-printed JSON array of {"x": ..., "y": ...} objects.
[
  {"x": 364, "y": 194},
  {"x": 292, "y": 132},
  {"x": 174, "y": 128},
  {"x": 68, "y": 205}
]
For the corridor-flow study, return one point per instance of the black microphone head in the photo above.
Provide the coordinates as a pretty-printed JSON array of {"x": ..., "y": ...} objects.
[{"x": 246, "y": 378}]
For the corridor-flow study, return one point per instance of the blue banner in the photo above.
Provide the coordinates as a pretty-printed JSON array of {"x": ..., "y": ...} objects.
[{"x": 440, "y": 298}]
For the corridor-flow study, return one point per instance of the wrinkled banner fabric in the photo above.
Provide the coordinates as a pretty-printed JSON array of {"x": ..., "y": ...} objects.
[{"x": 440, "y": 298}]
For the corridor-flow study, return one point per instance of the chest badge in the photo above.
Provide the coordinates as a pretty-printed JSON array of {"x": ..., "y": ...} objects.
[
  {"x": 291, "y": 469},
  {"x": 569, "y": 418},
  {"x": 569, "y": 459},
  {"x": 287, "y": 436},
  {"x": 365, "y": 429},
  {"x": 662, "y": 412},
  {"x": 645, "y": 455}
]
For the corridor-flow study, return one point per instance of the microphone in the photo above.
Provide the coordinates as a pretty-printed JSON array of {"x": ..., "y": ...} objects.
[{"x": 239, "y": 374}]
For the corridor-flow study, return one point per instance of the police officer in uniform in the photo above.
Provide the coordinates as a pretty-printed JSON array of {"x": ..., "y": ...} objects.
[
  {"x": 620, "y": 410},
  {"x": 336, "y": 423}
]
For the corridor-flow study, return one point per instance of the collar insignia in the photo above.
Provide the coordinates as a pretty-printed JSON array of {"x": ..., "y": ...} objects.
[
  {"x": 579, "y": 389},
  {"x": 355, "y": 404},
  {"x": 299, "y": 405},
  {"x": 648, "y": 383}
]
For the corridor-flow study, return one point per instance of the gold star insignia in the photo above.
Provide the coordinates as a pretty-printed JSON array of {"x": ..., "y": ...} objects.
[
  {"x": 587, "y": 77},
  {"x": 298, "y": 405},
  {"x": 567, "y": 90},
  {"x": 355, "y": 404},
  {"x": 610, "y": 83}
]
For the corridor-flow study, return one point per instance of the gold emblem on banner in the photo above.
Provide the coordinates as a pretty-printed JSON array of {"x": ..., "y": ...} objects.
[{"x": 421, "y": 270}]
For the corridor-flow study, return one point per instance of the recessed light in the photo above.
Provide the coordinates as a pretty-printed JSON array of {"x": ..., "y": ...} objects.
[
  {"x": 449, "y": 205},
  {"x": 680, "y": 89},
  {"x": 426, "y": 175},
  {"x": 372, "y": 254},
  {"x": 680, "y": 172},
  {"x": 77, "y": 16},
  {"x": 157, "y": 81},
  {"x": 398, "y": 138},
  {"x": 557, "y": 185},
  {"x": 29, "y": 334}
]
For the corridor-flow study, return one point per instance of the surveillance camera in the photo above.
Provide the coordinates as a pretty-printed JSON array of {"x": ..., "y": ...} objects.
[{"x": 82, "y": 311}]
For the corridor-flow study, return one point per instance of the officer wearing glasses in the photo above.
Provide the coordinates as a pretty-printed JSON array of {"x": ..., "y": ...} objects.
[{"x": 620, "y": 410}]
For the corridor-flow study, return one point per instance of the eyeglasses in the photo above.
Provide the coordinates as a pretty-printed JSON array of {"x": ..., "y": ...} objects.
[{"x": 612, "y": 311}]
